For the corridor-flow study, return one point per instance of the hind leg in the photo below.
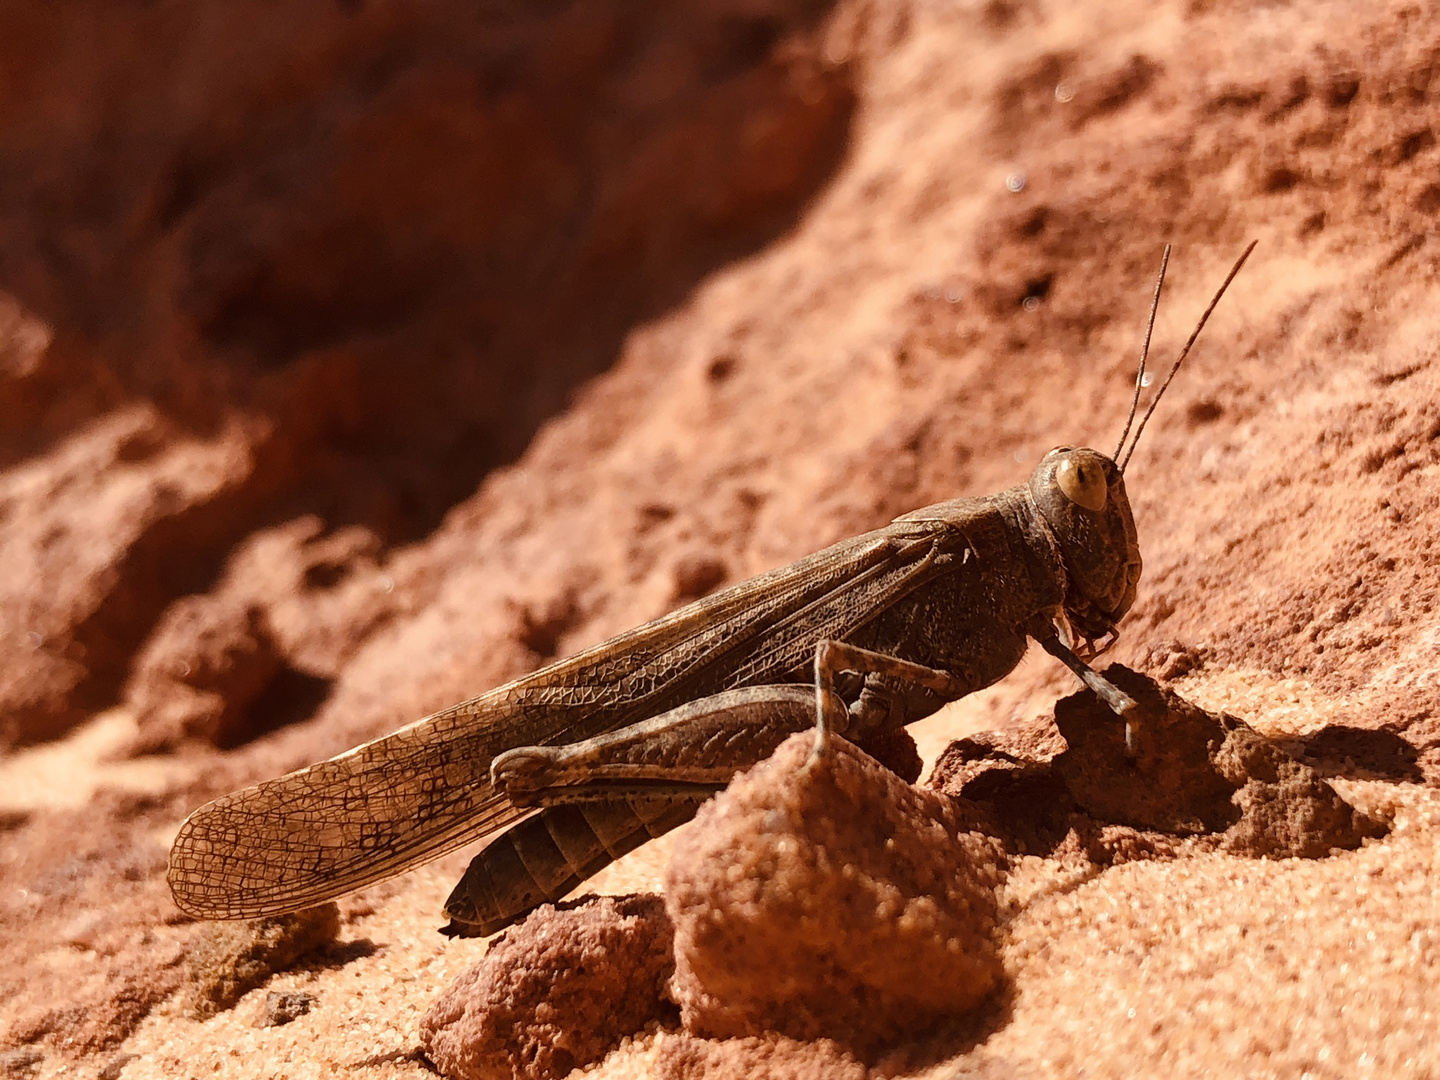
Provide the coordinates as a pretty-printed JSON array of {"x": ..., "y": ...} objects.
[
  {"x": 605, "y": 796},
  {"x": 699, "y": 746}
]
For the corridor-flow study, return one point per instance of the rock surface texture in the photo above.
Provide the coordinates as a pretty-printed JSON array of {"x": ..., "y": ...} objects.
[
  {"x": 827, "y": 902},
  {"x": 1192, "y": 774},
  {"x": 231, "y": 959},
  {"x": 357, "y": 356},
  {"x": 555, "y": 993},
  {"x": 830, "y": 899}
]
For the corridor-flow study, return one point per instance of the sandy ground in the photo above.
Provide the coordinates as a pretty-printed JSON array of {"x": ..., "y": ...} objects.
[{"x": 920, "y": 257}]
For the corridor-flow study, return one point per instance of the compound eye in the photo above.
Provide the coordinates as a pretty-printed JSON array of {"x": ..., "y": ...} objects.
[{"x": 1083, "y": 483}]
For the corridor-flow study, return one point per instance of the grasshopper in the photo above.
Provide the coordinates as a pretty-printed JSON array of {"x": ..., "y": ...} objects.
[{"x": 569, "y": 768}]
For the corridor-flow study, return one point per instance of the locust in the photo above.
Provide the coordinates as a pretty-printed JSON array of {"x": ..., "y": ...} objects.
[{"x": 571, "y": 767}]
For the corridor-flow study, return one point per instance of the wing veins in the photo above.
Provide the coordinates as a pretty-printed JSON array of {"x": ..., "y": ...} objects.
[{"x": 413, "y": 795}]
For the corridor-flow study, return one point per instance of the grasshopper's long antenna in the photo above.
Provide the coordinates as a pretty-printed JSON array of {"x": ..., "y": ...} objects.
[
  {"x": 1144, "y": 353},
  {"x": 1186, "y": 351}
]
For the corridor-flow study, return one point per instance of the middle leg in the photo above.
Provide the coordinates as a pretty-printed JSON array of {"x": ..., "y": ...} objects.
[{"x": 833, "y": 657}]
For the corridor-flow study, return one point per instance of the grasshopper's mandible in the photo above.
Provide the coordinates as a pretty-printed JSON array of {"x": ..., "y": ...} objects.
[{"x": 622, "y": 742}]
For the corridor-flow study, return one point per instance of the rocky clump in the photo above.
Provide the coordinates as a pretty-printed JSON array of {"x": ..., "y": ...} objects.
[
  {"x": 555, "y": 993},
  {"x": 285, "y": 1006},
  {"x": 206, "y": 665},
  {"x": 822, "y": 910},
  {"x": 259, "y": 649},
  {"x": 1192, "y": 773},
  {"x": 827, "y": 898},
  {"x": 232, "y": 958},
  {"x": 1286, "y": 808},
  {"x": 755, "y": 1057}
]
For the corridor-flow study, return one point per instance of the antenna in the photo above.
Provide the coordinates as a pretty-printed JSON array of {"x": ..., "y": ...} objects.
[
  {"x": 1144, "y": 352},
  {"x": 1186, "y": 351}
]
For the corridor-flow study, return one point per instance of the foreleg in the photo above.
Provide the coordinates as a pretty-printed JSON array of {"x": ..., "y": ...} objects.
[{"x": 1120, "y": 702}]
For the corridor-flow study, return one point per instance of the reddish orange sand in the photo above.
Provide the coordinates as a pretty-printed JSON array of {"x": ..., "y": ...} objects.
[{"x": 418, "y": 348}]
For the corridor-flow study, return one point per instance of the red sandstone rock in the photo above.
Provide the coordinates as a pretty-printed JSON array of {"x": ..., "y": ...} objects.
[
  {"x": 201, "y": 671},
  {"x": 258, "y": 651},
  {"x": 1197, "y": 772},
  {"x": 830, "y": 900},
  {"x": 555, "y": 993},
  {"x": 757, "y": 1057},
  {"x": 229, "y": 959},
  {"x": 1171, "y": 784},
  {"x": 906, "y": 328},
  {"x": 1194, "y": 773},
  {"x": 93, "y": 530},
  {"x": 1286, "y": 809}
]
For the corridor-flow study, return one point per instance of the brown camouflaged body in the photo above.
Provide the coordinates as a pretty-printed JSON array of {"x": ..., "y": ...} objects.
[{"x": 953, "y": 586}]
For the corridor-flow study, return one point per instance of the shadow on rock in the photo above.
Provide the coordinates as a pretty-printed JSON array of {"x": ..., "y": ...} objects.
[
  {"x": 1353, "y": 753},
  {"x": 1193, "y": 774}
]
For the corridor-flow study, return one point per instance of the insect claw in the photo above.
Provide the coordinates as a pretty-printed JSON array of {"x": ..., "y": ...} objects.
[
  {"x": 820, "y": 749},
  {"x": 822, "y": 732}
]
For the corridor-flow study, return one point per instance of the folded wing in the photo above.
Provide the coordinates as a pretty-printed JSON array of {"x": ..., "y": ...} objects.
[{"x": 411, "y": 796}]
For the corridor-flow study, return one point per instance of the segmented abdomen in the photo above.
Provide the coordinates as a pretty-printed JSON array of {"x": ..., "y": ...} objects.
[{"x": 541, "y": 859}]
